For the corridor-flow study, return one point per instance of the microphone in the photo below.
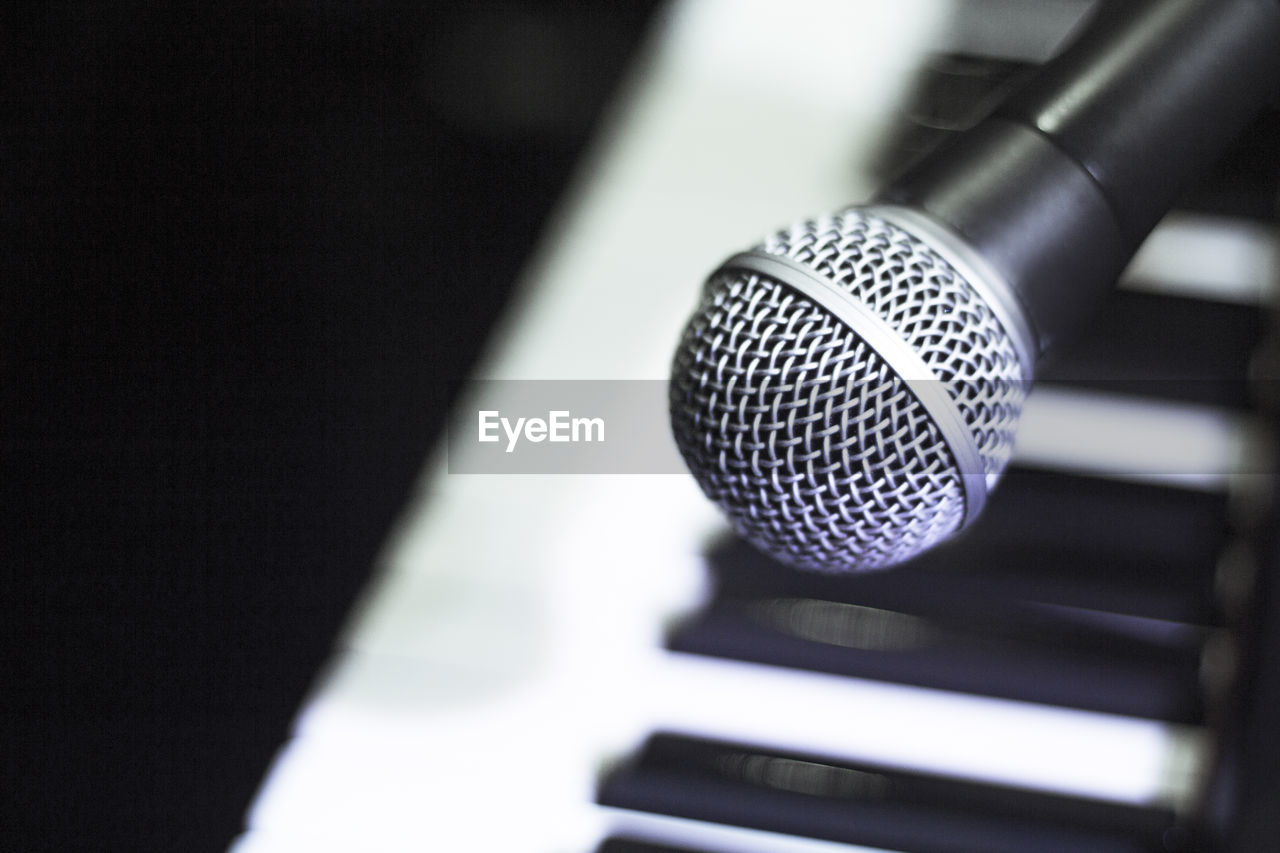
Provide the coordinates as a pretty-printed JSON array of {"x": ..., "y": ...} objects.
[{"x": 848, "y": 391}]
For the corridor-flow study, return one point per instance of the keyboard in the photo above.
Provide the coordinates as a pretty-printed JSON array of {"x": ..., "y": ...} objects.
[{"x": 594, "y": 663}]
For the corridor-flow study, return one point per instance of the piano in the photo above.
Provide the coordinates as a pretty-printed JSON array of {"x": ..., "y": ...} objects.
[{"x": 557, "y": 663}]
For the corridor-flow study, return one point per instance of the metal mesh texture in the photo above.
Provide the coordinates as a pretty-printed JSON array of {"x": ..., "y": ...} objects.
[{"x": 807, "y": 438}]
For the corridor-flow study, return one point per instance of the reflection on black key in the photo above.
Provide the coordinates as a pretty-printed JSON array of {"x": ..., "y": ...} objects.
[{"x": 873, "y": 805}]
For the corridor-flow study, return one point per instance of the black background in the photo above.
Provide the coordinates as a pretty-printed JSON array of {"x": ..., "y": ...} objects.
[{"x": 247, "y": 249}]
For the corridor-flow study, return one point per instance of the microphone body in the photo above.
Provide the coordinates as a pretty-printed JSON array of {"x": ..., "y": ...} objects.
[
  {"x": 1061, "y": 184},
  {"x": 848, "y": 391}
]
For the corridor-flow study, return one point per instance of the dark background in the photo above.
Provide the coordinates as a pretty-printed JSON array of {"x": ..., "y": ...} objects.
[{"x": 247, "y": 249}]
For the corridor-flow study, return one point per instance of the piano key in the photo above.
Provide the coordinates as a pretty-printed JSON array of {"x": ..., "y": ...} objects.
[
  {"x": 1155, "y": 345},
  {"x": 640, "y": 832},
  {"x": 983, "y": 652},
  {"x": 1104, "y": 612},
  {"x": 1118, "y": 523},
  {"x": 1156, "y": 441},
  {"x": 1246, "y": 181},
  {"x": 1208, "y": 256},
  {"x": 1099, "y": 544},
  {"x": 626, "y": 833},
  {"x": 667, "y": 832},
  {"x": 1055, "y": 538},
  {"x": 861, "y": 803},
  {"x": 618, "y": 699}
]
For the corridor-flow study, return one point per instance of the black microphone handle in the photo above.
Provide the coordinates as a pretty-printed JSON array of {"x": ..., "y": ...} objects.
[{"x": 1059, "y": 186}]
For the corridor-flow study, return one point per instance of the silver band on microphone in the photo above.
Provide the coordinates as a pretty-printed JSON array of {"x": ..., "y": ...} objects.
[
  {"x": 919, "y": 378},
  {"x": 976, "y": 272}
]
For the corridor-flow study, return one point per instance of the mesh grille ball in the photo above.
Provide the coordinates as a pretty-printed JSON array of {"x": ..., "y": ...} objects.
[{"x": 810, "y": 440}]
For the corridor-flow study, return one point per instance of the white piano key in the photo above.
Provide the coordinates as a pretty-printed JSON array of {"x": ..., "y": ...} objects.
[
  {"x": 994, "y": 740},
  {"x": 651, "y": 828},
  {"x": 1113, "y": 435},
  {"x": 720, "y": 838},
  {"x": 411, "y": 757},
  {"x": 1200, "y": 256}
]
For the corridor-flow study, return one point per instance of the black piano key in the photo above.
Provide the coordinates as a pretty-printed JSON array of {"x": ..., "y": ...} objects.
[
  {"x": 935, "y": 643},
  {"x": 1178, "y": 528},
  {"x": 1071, "y": 591},
  {"x": 1046, "y": 537},
  {"x": 1246, "y": 181},
  {"x": 855, "y": 803},
  {"x": 1134, "y": 548},
  {"x": 1162, "y": 347}
]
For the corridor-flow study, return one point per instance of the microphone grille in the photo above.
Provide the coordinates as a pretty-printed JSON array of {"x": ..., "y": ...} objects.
[{"x": 806, "y": 434}]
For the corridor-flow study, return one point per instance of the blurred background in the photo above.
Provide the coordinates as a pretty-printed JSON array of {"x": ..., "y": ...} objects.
[{"x": 248, "y": 248}]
